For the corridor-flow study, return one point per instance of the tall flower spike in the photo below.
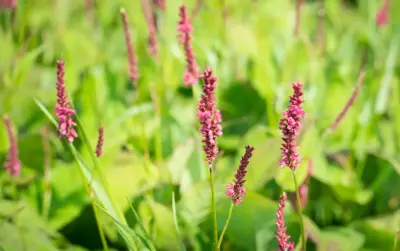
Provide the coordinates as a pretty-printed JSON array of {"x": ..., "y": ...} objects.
[
  {"x": 281, "y": 235},
  {"x": 100, "y": 141},
  {"x": 290, "y": 126},
  {"x": 209, "y": 117},
  {"x": 236, "y": 190},
  {"x": 185, "y": 34},
  {"x": 66, "y": 126},
  {"x": 8, "y": 4},
  {"x": 151, "y": 26},
  {"x": 133, "y": 69},
  {"x": 12, "y": 164},
  {"x": 382, "y": 16}
]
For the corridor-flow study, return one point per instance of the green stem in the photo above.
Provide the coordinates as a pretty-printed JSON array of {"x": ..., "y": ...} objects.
[
  {"x": 226, "y": 226},
  {"x": 15, "y": 197},
  {"x": 101, "y": 230},
  {"x": 396, "y": 239},
  {"x": 300, "y": 213},
  {"x": 213, "y": 208}
]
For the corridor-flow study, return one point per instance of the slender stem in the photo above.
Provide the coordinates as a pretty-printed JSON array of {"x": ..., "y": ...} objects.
[
  {"x": 226, "y": 226},
  {"x": 101, "y": 230},
  {"x": 396, "y": 239},
  {"x": 47, "y": 174},
  {"x": 300, "y": 213},
  {"x": 15, "y": 197},
  {"x": 213, "y": 208}
]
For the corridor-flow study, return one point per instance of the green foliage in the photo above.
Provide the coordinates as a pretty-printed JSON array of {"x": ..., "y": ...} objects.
[{"x": 152, "y": 150}]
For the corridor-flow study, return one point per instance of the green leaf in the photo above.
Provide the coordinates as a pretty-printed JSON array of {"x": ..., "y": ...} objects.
[
  {"x": 22, "y": 228},
  {"x": 345, "y": 239},
  {"x": 163, "y": 223}
]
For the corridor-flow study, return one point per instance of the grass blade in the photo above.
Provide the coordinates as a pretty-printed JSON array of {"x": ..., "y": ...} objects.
[
  {"x": 146, "y": 235},
  {"x": 384, "y": 89},
  {"x": 91, "y": 181},
  {"x": 174, "y": 213}
]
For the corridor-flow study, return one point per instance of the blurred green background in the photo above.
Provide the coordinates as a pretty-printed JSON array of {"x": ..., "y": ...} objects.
[{"x": 152, "y": 147}]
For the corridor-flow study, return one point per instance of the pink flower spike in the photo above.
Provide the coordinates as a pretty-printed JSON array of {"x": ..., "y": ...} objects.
[
  {"x": 100, "y": 141},
  {"x": 236, "y": 190},
  {"x": 209, "y": 117},
  {"x": 290, "y": 126},
  {"x": 151, "y": 26},
  {"x": 66, "y": 126},
  {"x": 382, "y": 16},
  {"x": 8, "y": 4},
  {"x": 281, "y": 235},
  {"x": 12, "y": 165},
  {"x": 185, "y": 36},
  {"x": 133, "y": 68}
]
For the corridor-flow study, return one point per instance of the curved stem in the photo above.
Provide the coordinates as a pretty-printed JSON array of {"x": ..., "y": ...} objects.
[
  {"x": 300, "y": 213},
  {"x": 213, "y": 208},
  {"x": 99, "y": 226},
  {"x": 226, "y": 226}
]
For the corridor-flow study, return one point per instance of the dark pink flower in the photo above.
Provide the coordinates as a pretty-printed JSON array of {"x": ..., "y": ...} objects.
[
  {"x": 8, "y": 4},
  {"x": 12, "y": 164},
  {"x": 133, "y": 69},
  {"x": 185, "y": 33},
  {"x": 236, "y": 190},
  {"x": 382, "y": 16},
  {"x": 290, "y": 126},
  {"x": 281, "y": 235},
  {"x": 66, "y": 126},
  {"x": 151, "y": 26},
  {"x": 209, "y": 117},
  {"x": 100, "y": 141}
]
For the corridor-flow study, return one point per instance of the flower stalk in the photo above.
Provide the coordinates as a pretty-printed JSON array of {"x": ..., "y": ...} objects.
[
  {"x": 213, "y": 208},
  {"x": 66, "y": 125},
  {"x": 281, "y": 235},
  {"x": 352, "y": 99},
  {"x": 226, "y": 225},
  {"x": 299, "y": 4},
  {"x": 100, "y": 141},
  {"x": 133, "y": 68},
  {"x": 299, "y": 212},
  {"x": 185, "y": 29},
  {"x": 12, "y": 164},
  {"x": 210, "y": 128},
  {"x": 151, "y": 26},
  {"x": 290, "y": 126}
]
